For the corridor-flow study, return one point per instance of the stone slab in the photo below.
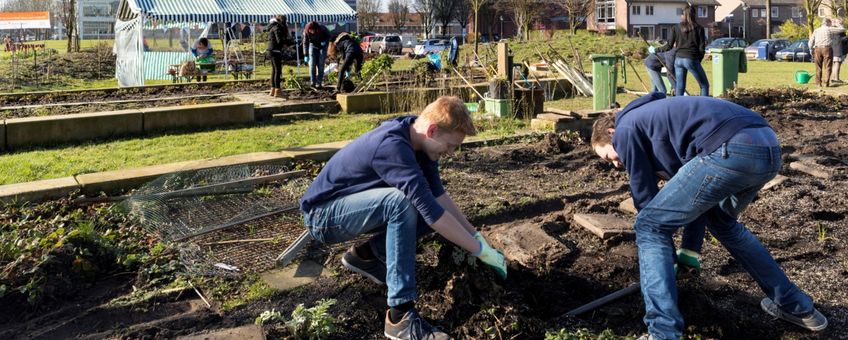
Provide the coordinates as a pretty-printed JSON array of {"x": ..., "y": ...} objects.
[
  {"x": 38, "y": 190},
  {"x": 120, "y": 180},
  {"x": 811, "y": 168},
  {"x": 48, "y": 130},
  {"x": 554, "y": 117},
  {"x": 247, "y": 332},
  {"x": 628, "y": 206},
  {"x": 526, "y": 243},
  {"x": 604, "y": 226},
  {"x": 568, "y": 113},
  {"x": 777, "y": 180},
  {"x": 293, "y": 276},
  {"x": 194, "y": 116}
]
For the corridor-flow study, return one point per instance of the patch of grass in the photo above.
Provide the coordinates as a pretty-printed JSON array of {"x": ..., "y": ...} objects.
[
  {"x": 37, "y": 164},
  {"x": 582, "y": 334},
  {"x": 249, "y": 290}
]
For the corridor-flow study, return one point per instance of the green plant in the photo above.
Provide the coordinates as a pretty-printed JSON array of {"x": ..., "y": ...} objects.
[
  {"x": 379, "y": 64},
  {"x": 268, "y": 316},
  {"x": 822, "y": 232},
  {"x": 580, "y": 334},
  {"x": 792, "y": 31},
  {"x": 291, "y": 81},
  {"x": 312, "y": 323}
]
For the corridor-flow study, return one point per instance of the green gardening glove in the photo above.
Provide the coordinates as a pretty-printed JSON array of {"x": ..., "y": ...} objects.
[
  {"x": 688, "y": 261},
  {"x": 480, "y": 238},
  {"x": 493, "y": 258}
]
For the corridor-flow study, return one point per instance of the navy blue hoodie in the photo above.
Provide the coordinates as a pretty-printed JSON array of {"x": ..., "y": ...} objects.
[
  {"x": 381, "y": 158},
  {"x": 654, "y": 135}
]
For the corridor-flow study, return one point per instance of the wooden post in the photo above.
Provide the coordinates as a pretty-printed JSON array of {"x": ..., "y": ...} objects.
[{"x": 503, "y": 59}]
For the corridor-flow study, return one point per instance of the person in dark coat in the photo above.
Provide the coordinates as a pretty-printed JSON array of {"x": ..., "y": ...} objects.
[
  {"x": 316, "y": 40},
  {"x": 349, "y": 54},
  {"x": 654, "y": 65},
  {"x": 278, "y": 39},
  {"x": 690, "y": 40}
]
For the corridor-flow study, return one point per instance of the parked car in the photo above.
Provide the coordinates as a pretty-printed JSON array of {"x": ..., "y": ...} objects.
[
  {"x": 774, "y": 46},
  {"x": 365, "y": 42},
  {"x": 386, "y": 44},
  {"x": 798, "y": 51},
  {"x": 431, "y": 46},
  {"x": 724, "y": 43}
]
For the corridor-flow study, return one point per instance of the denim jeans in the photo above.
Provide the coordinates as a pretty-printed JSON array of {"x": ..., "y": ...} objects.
[
  {"x": 317, "y": 56},
  {"x": 681, "y": 66},
  {"x": 718, "y": 187},
  {"x": 390, "y": 217},
  {"x": 657, "y": 84}
]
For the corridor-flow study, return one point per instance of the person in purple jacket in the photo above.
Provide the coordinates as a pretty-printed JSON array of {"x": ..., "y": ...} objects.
[
  {"x": 386, "y": 183},
  {"x": 718, "y": 156}
]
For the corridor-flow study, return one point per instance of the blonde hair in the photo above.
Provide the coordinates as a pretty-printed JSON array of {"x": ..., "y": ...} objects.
[{"x": 450, "y": 114}]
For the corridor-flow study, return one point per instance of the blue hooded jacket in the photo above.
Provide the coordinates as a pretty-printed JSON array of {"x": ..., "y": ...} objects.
[{"x": 654, "y": 137}]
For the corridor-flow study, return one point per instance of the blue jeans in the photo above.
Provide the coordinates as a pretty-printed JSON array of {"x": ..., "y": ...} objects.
[
  {"x": 681, "y": 66},
  {"x": 395, "y": 223},
  {"x": 317, "y": 56},
  {"x": 718, "y": 187},
  {"x": 657, "y": 83}
]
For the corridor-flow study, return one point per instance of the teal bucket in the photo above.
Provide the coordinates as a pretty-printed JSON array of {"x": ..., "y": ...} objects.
[{"x": 802, "y": 77}]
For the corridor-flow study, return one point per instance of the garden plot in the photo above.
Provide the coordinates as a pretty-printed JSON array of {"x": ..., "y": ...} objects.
[{"x": 524, "y": 196}]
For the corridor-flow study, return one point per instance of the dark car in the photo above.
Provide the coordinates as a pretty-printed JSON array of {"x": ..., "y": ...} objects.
[
  {"x": 724, "y": 43},
  {"x": 774, "y": 46},
  {"x": 798, "y": 51}
]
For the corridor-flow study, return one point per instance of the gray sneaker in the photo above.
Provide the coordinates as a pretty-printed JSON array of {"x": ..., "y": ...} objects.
[
  {"x": 374, "y": 270},
  {"x": 412, "y": 326},
  {"x": 814, "y": 322}
]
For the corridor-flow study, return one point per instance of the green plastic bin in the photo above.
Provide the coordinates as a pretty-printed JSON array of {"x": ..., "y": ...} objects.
[
  {"x": 727, "y": 64},
  {"x": 498, "y": 108},
  {"x": 604, "y": 79}
]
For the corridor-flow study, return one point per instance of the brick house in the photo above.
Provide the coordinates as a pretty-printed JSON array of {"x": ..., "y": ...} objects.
[
  {"x": 747, "y": 18},
  {"x": 654, "y": 19}
]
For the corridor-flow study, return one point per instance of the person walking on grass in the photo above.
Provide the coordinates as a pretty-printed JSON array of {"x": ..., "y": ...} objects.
[
  {"x": 839, "y": 49},
  {"x": 821, "y": 44},
  {"x": 386, "y": 183},
  {"x": 689, "y": 38},
  {"x": 316, "y": 40},
  {"x": 719, "y": 155},
  {"x": 278, "y": 39}
]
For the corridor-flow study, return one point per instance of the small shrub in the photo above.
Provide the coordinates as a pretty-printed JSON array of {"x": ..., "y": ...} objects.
[
  {"x": 291, "y": 81},
  {"x": 379, "y": 64},
  {"x": 312, "y": 323},
  {"x": 580, "y": 334},
  {"x": 268, "y": 315}
]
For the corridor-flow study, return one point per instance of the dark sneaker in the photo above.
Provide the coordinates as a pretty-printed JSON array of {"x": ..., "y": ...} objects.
[
  {"x": 814, "y": 322},
  {"x": 372, "y": 269},
  {"x": 412, "y": 326}
]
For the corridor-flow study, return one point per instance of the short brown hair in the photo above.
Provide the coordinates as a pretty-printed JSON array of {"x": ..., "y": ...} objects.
[
  {"x": 450, "y": 114},
  {"x": 600, "y": 136}
]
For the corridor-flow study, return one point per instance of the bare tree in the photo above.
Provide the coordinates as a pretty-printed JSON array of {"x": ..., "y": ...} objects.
[
  {"x": 476, "y": 6},
  {"x": 426, "y": 9},
  {"x": 67, "y": 10},
  {"x": 577, "y": 11},
  {"x": 399, "y": 12},
  {"x": 462, "y": 12},
  {"x": 444, "y": 12},
  {"x": 523, "y": 12},
  {"x": 367, "y": 12},
  {"x": 812, "y": 9}
]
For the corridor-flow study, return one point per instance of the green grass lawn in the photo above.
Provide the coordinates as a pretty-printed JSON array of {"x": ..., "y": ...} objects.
[{"x": 30, "y": 165}]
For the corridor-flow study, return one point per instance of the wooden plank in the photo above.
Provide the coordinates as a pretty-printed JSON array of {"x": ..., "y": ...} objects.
[
  {"x": 777, "y": 180},
  {"x": 812, "y": 169},
  {"x": 628, "y": 206}
]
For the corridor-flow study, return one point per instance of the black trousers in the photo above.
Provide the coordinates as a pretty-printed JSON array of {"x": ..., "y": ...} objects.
[
  {"x": 353, "y": 59},
  {"x": 276, "y": 71}
]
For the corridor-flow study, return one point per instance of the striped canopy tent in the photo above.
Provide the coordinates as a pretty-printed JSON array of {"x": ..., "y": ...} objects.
[
  {"x": 255, "y": 11},
  {"x": 134, "y": 15}
]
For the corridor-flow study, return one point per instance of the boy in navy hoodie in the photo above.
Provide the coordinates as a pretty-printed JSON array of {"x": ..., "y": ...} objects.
[
  {"x": 386, "y": 183},
  {"x": 718, "y": 156}
]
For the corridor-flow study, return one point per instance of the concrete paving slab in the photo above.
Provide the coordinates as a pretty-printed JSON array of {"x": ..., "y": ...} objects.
[
  {"x": 318, "y": 152},
  {"x": 605, "y": 226},
  {"x": 293, "y": 276},
  {"x": 38, "y": 190},
  {"x": 561, "y": 112},
  {"x": 628, "y": 206},
  {"x": 812, "y": 169},
  {"x": 777, "y": 180},
  {"x": 247, "y": 332},
  {"x": 554, "y": 117},
  {"x": 526, "y": 243}
]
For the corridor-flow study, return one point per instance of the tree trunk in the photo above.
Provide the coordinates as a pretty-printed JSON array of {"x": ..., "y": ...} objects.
[{"x": 768, "y": 19}]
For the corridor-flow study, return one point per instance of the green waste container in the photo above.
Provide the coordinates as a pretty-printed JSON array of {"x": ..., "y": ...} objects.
[
  {"x": 604, "y": 76},
  {"x": 727, "y": 64}
]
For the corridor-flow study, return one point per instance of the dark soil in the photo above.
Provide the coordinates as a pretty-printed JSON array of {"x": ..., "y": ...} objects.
[{"x": 534, "y": 188}]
